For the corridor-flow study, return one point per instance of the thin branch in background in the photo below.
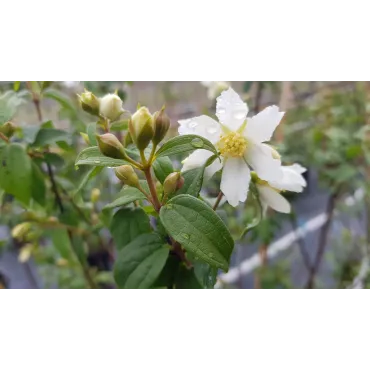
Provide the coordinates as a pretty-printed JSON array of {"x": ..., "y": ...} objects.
[
  {"x": 322, "y": 240},
  {"x": 218, "y": 200},
  {"x": 301, "y": 242}
]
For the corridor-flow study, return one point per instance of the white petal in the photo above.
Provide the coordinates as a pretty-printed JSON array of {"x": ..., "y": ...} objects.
[
  {"x": 298, "y": 168},
  {"x": 292, "y": 179},
  {"x": 259, "y": 157},
  {"x": 235, "y": 180},
  {"x": 273, "y": 199},
  {"x": 261, "y": 127},
  {"x": 231, "y": 110},
  {"x": 203, "y": 126},
  {"x": 197, "y": 159}
]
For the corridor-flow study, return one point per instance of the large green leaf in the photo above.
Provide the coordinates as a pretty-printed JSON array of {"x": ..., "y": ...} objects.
[
  {"x": 129, "y": 195},
  {"x": 139, "y": 264},
  {"x": 162, "y": 168},
  {"x": 38, "y": 185},
  {"x": 49, "y": 136},
  {"x": 185, "y": 143},
  {"x": 127, "y": 224},
  {"x": 92, "y": 157},
  {"x": 16, "y": 172},
  {"x": 198, "y": 229}
]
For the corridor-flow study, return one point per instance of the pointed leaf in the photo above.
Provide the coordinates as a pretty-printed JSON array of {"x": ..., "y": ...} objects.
[
  {"x": 198, "y": 229},
  {"x": 127, "y": 224},
  {"x": 139, "y": 264}
]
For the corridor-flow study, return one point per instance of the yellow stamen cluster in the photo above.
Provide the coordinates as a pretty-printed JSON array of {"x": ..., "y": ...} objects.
[{"x": 232, "y": 145}]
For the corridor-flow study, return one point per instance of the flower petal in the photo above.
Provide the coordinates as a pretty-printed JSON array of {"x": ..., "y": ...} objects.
[
  {"x": 261, "y": 127},
  {"x": 273, "y": 199},
  {"x": 292, "y": 179},
  {"x": 231, "y": 110},
  {"x": 197, "y": 159},
  {"x": 235, "y": 180},
  {"x": 203, "y": 126},
  {"x": 260, "y": 158}
]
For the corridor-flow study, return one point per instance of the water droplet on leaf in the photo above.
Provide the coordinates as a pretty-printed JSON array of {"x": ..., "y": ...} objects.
[
  {"x": 97, "y": 162},
  {"x": 210, "y": 255},
  {"x": 185, "y": 236},
  {"x": 197, "y": 143}
]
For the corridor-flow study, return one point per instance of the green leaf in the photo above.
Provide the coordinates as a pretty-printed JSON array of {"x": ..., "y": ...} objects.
[
  {"x": 92, "y": 157},
  {"x": 89, "y": 175},
  {"x": 186, "y": 279},
  {"x": 129, "y": 195},
  {"x": 194, "y": 179},
  {"x": 16, "y": 172},
  {"x": 139, "y": 264},
  {"x": 185, "y": 143},
  {"x": 206, "y": 274},
  {"x": 162, "y": 168},
  {"x": 38, "y": 185},
  {"x": 54, "y": 159},
  {"x": 61, "y": 98},
  {"x": 61, "y": 242},
  {"x": 49, "y": 136},
  {"x": 167, "y": 277},
  {"x": 198, "y": 229},
  {"x": 247, "y": 85},
  {"x": 91, "y": 132},
  {"x": 127, "y": 224},
  {"x": 255, "y": 222},
  {"x": 9, "y": 103}
]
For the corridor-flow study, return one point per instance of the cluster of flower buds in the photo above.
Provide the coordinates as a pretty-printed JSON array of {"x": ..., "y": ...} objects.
[
  {"x": 144, "y": 127},
  {"x": 108, "y": 107}
]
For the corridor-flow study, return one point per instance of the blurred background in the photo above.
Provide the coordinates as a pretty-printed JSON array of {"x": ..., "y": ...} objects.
[{"x": 324, "y": 243}]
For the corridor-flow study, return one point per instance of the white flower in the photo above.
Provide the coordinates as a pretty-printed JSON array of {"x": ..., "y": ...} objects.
[
  {"x": 240, "y": 141},
  {"x": 269, "y": 192},
  {"x": 215, "y": 88}
]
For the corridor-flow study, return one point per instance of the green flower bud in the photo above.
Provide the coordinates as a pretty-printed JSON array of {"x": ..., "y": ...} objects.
[
  {"x": 8, "y": 129},
  {"x": 127, "y": 175},
  {"x": 111, "y": 106},
  {"x": 89, "y": 102},
  {"x": 20, "y": 231},
  {"x": 173, "y": 182},
  {"x": 110, "y": 146},
  {"x": 141, "y": 128},
  {"x": 95, "y": 195},
  {"x": 161, "y": 125}
]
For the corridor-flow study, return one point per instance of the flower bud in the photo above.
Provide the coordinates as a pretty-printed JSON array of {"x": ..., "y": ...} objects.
[
  {"x": 25, "y": 253},
  {"x": 89, "y": 102},
  {"x": 127, "y": 175},
  {"x": 111, "y": 106},
  {"x": 110, "y": 146},
  {"x": 141, "y": 128},
  {"x": 161, "y": 125},
  {"x": 95, "y": 195},
  {"x": 7, "y": 129},
  {"x": 173, "y": 182},
  {"x": 20, "y": 231}
]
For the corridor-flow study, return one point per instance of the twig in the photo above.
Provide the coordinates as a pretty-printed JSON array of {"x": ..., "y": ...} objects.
[
  {"x": 322, "y": 241},
  {"x": 3, "y": 137},
  {"x": 218, "y": 200}
]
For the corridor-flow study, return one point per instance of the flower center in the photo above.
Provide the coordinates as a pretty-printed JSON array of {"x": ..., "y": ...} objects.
[{"x": 232, "y": 145}]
